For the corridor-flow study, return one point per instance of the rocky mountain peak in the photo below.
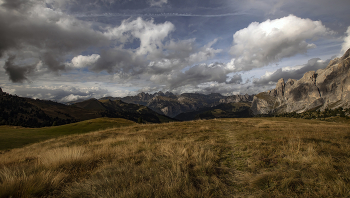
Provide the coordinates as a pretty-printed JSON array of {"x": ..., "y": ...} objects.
[
  {"x": 346, "y": 55},
  {"x": 144, "y": 96},
  {"x": 324, "y": 88},
  {"x": 280, "y": 87}
]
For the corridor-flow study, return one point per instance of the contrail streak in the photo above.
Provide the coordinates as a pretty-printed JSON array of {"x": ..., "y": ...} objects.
[{"x": 157, "y": 15}]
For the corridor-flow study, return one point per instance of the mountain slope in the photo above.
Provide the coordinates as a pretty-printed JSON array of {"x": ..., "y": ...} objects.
[
  {"x": 325, "y": 88},
  {"x": 29, "y": 112},
  {"x": 224, "y": 110},
  {"x": 120, "y": 109}
]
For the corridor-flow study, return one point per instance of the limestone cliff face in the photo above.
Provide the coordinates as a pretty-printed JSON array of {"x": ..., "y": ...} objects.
[{"x": 325, "y": 88}]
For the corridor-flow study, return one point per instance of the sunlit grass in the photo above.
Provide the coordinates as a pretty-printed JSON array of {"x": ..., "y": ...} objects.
[{"x": 258, "y": 157}]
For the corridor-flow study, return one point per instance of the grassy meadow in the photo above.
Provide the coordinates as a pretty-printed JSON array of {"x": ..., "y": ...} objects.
[
  {"x": 250, "y": 157},
  {"x": 15, "y": 136}
]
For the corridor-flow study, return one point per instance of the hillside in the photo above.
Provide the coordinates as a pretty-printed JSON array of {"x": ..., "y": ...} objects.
[
  {"x": 317, "y": 90},
  {"x": 120, "y": 109},
  {"x": 246, "y": 157},
  {"x": 15, "y": 137},
  {"x": 27, "y": 112},
  {"x": 224, "y": 110}
]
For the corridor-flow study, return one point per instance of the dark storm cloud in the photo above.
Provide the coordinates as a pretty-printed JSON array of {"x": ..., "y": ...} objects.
[
  {"x": 51, "y": 61},
  {"x": 198, "y": 74},
  {"x": 195, "y": 75},
  {"x": 14, "y": 4},
  {"x": 219, "y": 88},
  {"x": 49, "y": 34},
  {"x": 312, "y": 65},
  {"x": 118, "y": 61},
  {"x": 17, "y": 73}
]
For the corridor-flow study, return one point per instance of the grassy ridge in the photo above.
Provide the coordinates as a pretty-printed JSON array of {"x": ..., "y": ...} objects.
[
  {"x": 15, "y": 137},
  {"x": 252, "y": 157}
]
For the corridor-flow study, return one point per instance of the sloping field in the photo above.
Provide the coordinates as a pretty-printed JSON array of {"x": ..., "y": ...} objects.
[
  {"x": 15, "y": 137},
  {"x": 253, "y": 157}
]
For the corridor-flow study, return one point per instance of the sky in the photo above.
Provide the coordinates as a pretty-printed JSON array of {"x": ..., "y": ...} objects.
[{"x": 65, "y": 50}]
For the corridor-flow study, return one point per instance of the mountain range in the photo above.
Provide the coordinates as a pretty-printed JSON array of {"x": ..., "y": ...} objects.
[{"x": 172, "y": 105}]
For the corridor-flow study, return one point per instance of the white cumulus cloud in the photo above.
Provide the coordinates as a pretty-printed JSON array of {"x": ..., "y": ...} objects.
[
  {"x": 263, "y": 43},
  {"x": 73, "y": 97},
  {"x": 84, "y": 61},
  {"x": 150, "y": 34},
  {"x": 346, "y": 44},
  {"x": 205, "y": 53}
]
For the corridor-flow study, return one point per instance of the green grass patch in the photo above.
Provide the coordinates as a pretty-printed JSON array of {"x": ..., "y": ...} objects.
[{"x": 16, "y": 137}]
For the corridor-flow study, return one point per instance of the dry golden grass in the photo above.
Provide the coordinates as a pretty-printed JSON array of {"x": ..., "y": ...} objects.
[{"x": 258, "y": 157}]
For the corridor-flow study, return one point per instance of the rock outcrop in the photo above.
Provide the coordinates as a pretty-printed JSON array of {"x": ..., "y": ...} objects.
[
  {"x": 324, "y": 88},
  {"x": 237, "y": 98}
]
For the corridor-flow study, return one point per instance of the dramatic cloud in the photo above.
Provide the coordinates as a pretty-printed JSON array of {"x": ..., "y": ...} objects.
[
  {"x": 120, "y": 61},
  {"x": 346, "y": 44},
  {"x": 215, "y": 72},
  {"x": 125, "y": 46},
  {"x": 17, "y": 73},
  {"x": 291, "y": 72},
  {"x": 48, "y": 34},
  {"x": 268, "y": 42},
  {"x": 150, "y": 34},
  {"x": 158, "y": 3}
]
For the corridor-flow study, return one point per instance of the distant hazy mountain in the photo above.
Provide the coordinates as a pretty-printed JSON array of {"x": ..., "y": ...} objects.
[
  {"x": 172, "y": 105},
  {"x": 316, "y": 90},
  {"x": 223, "y": 110}
]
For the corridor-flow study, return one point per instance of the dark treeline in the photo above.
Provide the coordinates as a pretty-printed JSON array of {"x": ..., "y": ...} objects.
[
  {"x": 318, "y": 114},
  {"x": 18, "y": 111}
]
